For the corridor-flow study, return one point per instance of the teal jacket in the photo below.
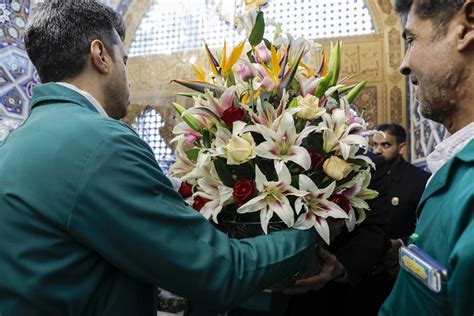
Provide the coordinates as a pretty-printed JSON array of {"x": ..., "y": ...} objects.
[
  {"x": 89, "y": 225},
  {"x": 446, "y": 232}
]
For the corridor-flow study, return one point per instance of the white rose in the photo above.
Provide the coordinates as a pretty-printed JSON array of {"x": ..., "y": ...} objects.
[
  {"x": 336, "y": 168},
  {"x": 308, "y": 107},
  {"x": 240, "y": 149}
]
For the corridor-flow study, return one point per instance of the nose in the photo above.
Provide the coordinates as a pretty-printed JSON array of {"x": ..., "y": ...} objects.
[
  {"x": 377, "y": 149},
  {"x": 405, "y": 67}
]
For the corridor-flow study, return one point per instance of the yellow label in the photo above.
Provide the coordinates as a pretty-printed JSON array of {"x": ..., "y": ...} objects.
[{"x": 414, "y": 267}]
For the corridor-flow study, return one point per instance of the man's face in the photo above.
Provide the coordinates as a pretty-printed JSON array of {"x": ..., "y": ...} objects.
[
  {"x": 388, "y": 147},
  {"x": 433, "y": 66},
  {"x": 118, "y": 89}
]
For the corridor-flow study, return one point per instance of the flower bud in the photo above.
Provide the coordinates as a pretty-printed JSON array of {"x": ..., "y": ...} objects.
[
  {"x": 336, "y": 168},
  {"x": 243, "y": 71},
  {"x": 240, "y": 149},
  {"x": 263, "y": 53},
  {"x": 308, "y": 107}
]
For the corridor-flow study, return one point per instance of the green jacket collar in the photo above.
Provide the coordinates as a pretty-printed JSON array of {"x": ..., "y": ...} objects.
[
  {"x": 54, "y": 92},
  {"x": 438, "y": 181}
]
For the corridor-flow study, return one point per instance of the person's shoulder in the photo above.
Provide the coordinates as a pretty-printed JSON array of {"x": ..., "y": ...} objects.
[{"x": 413, "y": 170}]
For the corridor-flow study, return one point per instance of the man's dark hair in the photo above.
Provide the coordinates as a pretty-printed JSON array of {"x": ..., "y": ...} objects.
[
  {"x": 394, "y": 130},
  {"x": 59, "y": 34},
  {"x": 440, "y": 12}
]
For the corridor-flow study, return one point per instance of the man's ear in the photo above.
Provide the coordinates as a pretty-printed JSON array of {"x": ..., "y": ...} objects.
[
  {"x": 465, "y": 33},
  {"x": 401, "y": 148},
  {"x": 99, "y": 56}
]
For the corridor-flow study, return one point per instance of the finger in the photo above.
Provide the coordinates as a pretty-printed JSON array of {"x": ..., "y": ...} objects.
[
  {"x": 326, "y": 255},
  {"x": 316, "y": 280},
  {"x": 301, "y": 290}
]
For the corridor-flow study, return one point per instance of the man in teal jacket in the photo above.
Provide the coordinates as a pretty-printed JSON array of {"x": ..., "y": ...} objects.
[
  {"x": 440, "y": 62},
  {"x": 88, "y": 223}
]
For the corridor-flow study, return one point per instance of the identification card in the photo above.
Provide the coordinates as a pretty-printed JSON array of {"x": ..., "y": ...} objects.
[{"x": 421, "y": 265}]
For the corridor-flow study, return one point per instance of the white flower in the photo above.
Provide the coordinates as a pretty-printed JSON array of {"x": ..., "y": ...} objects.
[
  {"x": 283, "y": 145},
  {"x": 337, "y": 135},
  {"x": 308, "y": 107},
  {"x": 218, "y": 195},
  {"x": 317, "y": 207},
  {"x": 238, "y": 147},
  {"x": 272, "y": 197},
  {"x": 336, "y": 168},
  {"x": 356, "y": 192}
]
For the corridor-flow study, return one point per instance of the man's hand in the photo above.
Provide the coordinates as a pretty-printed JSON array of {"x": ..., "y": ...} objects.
[{"x": 331, "y": 270}]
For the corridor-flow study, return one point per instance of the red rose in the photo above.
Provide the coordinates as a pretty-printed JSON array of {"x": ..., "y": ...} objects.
[
  {"x": 199, "y": 203},
  {"x": 341, "y": 201},
  {"x": 186, "y": 190},
  {"x": 317, "y": 160},
  {"x": 231, "y": 115},
  {"x": 243, "y": 191}
]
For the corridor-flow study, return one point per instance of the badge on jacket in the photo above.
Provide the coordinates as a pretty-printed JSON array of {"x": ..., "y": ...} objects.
[
  {"x": 395, "y": 201},
  {"x": 422, "y": 266}
]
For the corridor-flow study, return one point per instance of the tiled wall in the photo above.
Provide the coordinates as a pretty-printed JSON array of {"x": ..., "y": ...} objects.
[{"x": 17, "y": 74}]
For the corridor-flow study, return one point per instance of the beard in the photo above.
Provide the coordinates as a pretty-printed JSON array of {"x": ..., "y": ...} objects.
[
  {"x": 118, "y": 101},
  {"x": 438, "y": 94}
]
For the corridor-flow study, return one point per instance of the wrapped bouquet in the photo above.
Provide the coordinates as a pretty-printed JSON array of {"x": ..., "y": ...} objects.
[{"x": 272, "y": 137}]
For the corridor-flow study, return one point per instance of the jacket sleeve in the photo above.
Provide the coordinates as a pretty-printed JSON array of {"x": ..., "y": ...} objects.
[
  {"x": 461, "y": 280},
  {"x": 127, "y": 211},
  {"x": 360, "y": 250}
]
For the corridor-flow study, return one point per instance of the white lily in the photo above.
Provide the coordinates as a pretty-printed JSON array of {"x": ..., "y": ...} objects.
[
  {"x": 272, "y": 197},
  {"x": 283, "y": 145},
  {"x": 337, "y": 134},
  {"x": 204, "y": 168},
  {"x": 356, "y": 192},
  {"x": 218, "y": 195},
  {"x": 266, "y": 114},
  {"x": 317, "y": 207},
  {"x": 182, "y": 165}
]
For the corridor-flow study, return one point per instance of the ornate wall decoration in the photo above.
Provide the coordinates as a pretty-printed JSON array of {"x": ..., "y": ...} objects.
[
  {"x": 17, "y": 74},
  {"x": 396, "y": 111},
  {"x": 366, "y": 103},
  {"x": 395, "y": 47}
]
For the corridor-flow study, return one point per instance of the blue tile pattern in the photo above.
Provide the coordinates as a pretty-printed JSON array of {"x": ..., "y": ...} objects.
[{"x": 17, "y": 75}]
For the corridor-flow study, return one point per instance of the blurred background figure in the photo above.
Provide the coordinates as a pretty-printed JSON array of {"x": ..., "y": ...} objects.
[{"x": 406, "y": 184}]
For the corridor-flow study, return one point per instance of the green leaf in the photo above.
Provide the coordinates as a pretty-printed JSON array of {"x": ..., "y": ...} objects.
[
  {"x": 224, "y": 173},
  {"x": 324, "y": 85},
  {"x": 355, "y": 91},
  {"x": 193, "y": 154},
  {"x": 335, "y": 63},
  {"x": 258, "y": 30},
  {"x": 268, "y": 44},
  {"x": 199, "y": 86},
  {"x": 190, "y": 120}
]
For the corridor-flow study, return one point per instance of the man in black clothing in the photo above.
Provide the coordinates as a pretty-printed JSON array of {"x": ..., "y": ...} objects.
[
  {"x": 349, "y": 259},
  {"x": 406, "y": 185},
  {"x": 407, "y": 182}
]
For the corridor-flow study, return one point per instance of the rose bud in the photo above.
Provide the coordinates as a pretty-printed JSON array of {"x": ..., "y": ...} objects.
[
  {"x": 199, "y": 203},
  {"x": 243, "y": 191},
  {"x": 186, "y": 190},
  {"x": 336, "y": 168},
  {"x": 231, "y": 115}
]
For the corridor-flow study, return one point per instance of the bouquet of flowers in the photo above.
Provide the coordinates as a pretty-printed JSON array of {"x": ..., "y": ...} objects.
[{"x": 272, "y": 136}]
